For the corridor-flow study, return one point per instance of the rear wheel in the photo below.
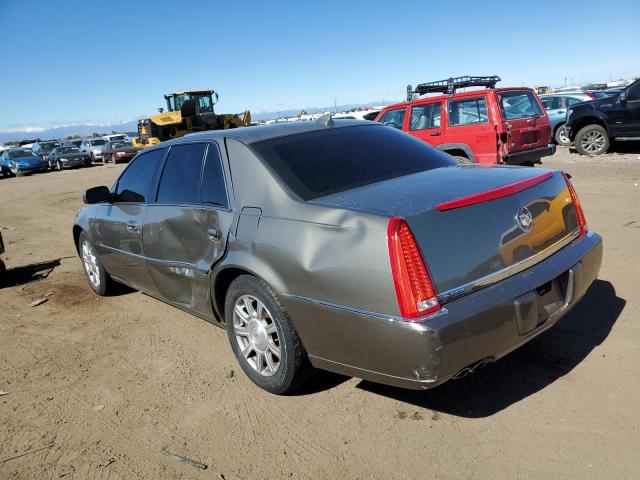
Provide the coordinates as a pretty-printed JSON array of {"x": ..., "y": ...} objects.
[
  {"x": 592, "y": 140},
  {"x": 99, "y": 280},
  {"x": 263, "y": 338},
  {"x": 561, "y": 136}
]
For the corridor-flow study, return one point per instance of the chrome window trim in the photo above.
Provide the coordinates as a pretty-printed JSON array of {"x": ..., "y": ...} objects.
[{"x": 506, "y": 272}]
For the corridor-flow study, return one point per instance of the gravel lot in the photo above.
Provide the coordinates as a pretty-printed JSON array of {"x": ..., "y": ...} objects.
[{"x": 99, "y": 387}]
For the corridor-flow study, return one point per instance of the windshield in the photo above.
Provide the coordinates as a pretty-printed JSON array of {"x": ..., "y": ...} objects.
[
  {"x": 324, "y": 162},
  {"x": 121, "y": 145},
  {"x": 64, "y": 150},
  {"x": 21, "y": 154},
  {"x": 97, "y": 142},
  {"x": 518, "y": 104}
]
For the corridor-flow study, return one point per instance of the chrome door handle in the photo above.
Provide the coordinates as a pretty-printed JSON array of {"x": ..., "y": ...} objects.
[
  {"x": 213, "y": 234},
  {"x": 133, "y": 227}
]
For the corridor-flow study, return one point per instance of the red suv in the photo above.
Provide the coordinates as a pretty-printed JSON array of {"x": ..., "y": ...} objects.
[{"x": 494, "y": 125}]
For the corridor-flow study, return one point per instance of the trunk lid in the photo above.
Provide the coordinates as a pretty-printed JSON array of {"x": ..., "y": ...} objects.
[{"x": 480, "y": 241}]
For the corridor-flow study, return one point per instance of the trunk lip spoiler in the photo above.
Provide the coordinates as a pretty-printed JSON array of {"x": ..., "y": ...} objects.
[{"x": 494, "y": 193}]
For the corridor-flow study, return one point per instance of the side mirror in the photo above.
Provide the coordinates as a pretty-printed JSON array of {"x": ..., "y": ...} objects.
[
  {"x": 96, "y": 195},
  {"x": 623, "y": 97}
]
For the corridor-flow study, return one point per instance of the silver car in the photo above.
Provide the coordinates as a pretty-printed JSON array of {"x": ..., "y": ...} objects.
[
  {"x": 342, "y": 245},
  {"x": 94, "y": 147}
]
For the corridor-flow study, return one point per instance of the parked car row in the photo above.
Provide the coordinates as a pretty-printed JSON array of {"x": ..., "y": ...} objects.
[{"x": 47, "y": 155}]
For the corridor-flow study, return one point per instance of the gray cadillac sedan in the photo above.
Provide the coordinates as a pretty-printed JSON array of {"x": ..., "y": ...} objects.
[{"x": 343, "y": 245}]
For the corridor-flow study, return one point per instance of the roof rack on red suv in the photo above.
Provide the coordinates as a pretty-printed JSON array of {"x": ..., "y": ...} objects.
[{"x": 451, "y": 84}]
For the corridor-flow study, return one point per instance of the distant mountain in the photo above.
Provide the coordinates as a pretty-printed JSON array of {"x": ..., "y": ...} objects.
[
  {"x": 85, "y": 130},
  {"x": 66, "y": 131}
]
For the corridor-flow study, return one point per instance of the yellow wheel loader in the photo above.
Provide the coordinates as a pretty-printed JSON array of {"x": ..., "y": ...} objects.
[{"x": 187, "y": 112}]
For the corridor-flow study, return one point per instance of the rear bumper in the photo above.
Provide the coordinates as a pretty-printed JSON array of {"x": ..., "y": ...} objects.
[
  {"x": 482, "y": 326},
  {"x": 530, "y": 156}
]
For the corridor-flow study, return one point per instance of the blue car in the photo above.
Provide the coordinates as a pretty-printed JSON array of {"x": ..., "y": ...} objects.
[
  {"x": 20, "y": 161},
  {"x": 556, "y": 105}
]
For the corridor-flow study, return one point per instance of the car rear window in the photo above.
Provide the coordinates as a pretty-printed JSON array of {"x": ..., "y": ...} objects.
[
  {"x": 324, "y": 162},
  {"x": 518, "y": 104}
]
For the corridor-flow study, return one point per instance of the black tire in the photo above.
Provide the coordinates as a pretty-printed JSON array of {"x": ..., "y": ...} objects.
[
  {"x": 294, "y": 367},
  {"x": 585, "y": 147},
  {"x": 560, "y": 138},
  {"x": 3, "y": 271},
  {"x": 105, "y": 285}
]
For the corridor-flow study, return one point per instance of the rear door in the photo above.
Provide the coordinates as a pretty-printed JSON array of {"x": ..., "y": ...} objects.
[
  {"x": 425, "y": 122},
  {"x": 527, "y": 121},
  {"x": 468, "y": 125},
  {"x": 117, "y": 227},
  {"x": 186, "y": 228}
]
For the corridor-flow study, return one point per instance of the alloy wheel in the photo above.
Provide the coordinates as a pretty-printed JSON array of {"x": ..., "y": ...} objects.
[
  {"x": 562, "y": 136},
  {"x": 91, "y": 264},
  {"x": 593, "y": 142},
  {"x": 257, "y": 335}
]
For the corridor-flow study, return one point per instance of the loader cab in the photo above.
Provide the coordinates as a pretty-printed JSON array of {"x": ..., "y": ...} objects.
[{"x": 203, "y": 101}]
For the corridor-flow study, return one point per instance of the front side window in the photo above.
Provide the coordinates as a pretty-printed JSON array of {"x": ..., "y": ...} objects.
[
  {"x": 180, "y": 182},
  {"x": 552, "y": 103},
  {"x": 633, "y": 94},
  {"x": 467, "y": 112},
  {"x": 135, "y": 183},
  {"x": 213, "y": 189},
  {"x": 204, "y": 104},
  {"x": 518, "y": 104},
  {"x": 425, "y": 116},
  {"x": 394, "y": 118}
]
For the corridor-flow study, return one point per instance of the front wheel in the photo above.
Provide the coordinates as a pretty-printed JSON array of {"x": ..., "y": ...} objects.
[
  {"x": 263, "y": 338},
  {"x": 592, "y": 140},
  {"x": 99, "y": 280},
  {"x": 561, "y": 136}
]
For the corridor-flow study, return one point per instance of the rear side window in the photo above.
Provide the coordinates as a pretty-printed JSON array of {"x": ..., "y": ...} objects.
[
  {"x": 134, "y": 185},
  {"x": 213, "y": 189},
  {"x": 468, "y": 111},
  {"x": 394, "y": 118},
  {"x": 324, "y": 162},
  {"x": 425, "y": 116},
  {"x": 180, "y": 182},
  {"x": 518, "y": 104}
]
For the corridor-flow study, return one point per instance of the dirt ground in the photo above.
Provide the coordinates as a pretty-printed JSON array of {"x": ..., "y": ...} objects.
[{"x": 102, "y": 388}]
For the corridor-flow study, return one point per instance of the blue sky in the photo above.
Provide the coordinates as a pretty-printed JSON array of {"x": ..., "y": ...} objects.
[{"x": 70, "y": 61}]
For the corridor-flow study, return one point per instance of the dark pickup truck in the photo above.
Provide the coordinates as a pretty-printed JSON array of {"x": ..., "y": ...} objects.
[{"x": 592, "y": 125}]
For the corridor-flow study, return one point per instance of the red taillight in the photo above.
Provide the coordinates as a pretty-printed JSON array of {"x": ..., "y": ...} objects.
[
  {"x": 582, "y": 223},
  {"x": 415, "y": 292}
]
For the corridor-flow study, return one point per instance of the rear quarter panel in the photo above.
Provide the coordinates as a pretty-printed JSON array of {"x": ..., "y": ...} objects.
[{"x": 327, "y": 254}]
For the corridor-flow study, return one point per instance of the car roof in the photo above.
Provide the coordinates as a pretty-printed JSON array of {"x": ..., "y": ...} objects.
[{"x": 259, "y": 133}]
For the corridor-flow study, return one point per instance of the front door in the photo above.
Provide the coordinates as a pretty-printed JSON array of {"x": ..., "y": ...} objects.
[
  {"x": 118, "y": 225},
  {"x": 185, "y": 231},
  {"x": 426, "y": 122},
  {"x": 624, "y": 116}
]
